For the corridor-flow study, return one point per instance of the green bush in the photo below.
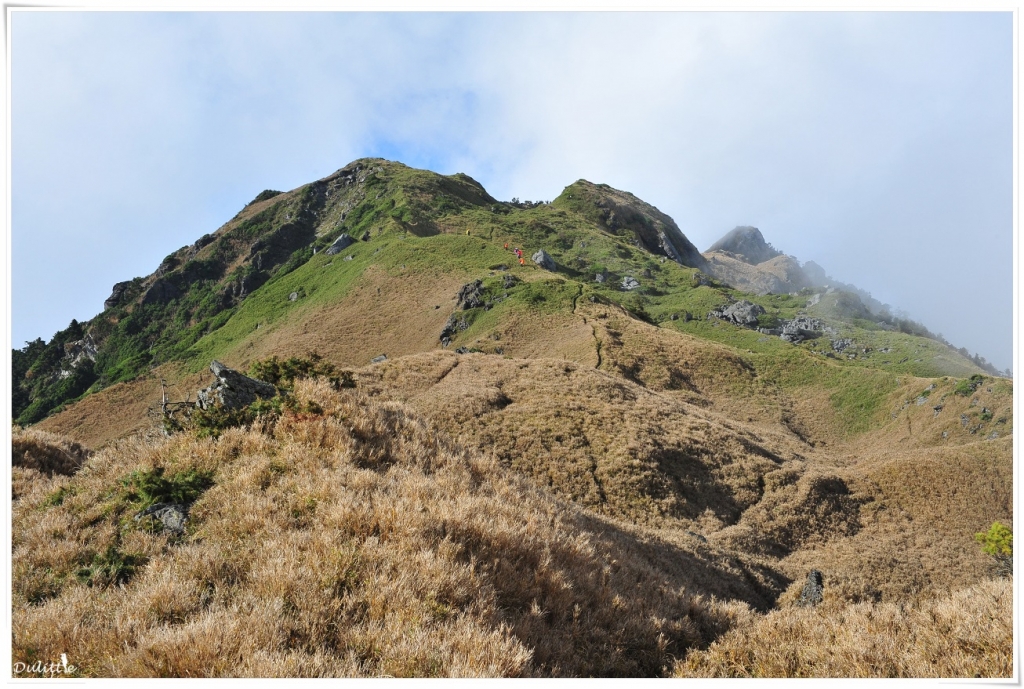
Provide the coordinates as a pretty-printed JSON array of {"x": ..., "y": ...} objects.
[
  {"x": 148, "y": 487},
  {"x": 110, "y": 568},
  {"x": 283, "y": 374},
  {"x": 998, "y": 542}
]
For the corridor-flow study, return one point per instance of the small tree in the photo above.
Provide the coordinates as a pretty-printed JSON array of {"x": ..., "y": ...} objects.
[{"x": 998, "y": 542}]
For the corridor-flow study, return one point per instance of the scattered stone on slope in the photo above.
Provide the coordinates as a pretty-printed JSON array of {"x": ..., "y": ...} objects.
[
  {"x": 544, "y": 260},
  {"x": 841, "y": 344},
  {"x": 629, "y": 284},
  {"x": 232, "y": 389},
  {"x": 814, "y": 589},
  {"x": 470, "y": 296},
  {"x": 116, "y": 294},
  {"x": 453, "y": 325},
  {"x": 340, "y": 244},
  {"x": 601, "y": 277},
  {"x": 379, "y": 359},
  {"x": 172, "y": 515},
  {"x": 510, "y": 281}
]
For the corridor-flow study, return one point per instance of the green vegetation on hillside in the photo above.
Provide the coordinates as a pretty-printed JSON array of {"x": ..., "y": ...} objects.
[{"x": 269, "y": 266}]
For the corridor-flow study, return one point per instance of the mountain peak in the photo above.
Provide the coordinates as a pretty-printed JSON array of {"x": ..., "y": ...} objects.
[
  {"x": 747, "y": 243},
  {"x": 624, "y": 215}
]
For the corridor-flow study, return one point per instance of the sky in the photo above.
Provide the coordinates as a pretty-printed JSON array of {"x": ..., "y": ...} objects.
[{"x": 879, "y": 145}]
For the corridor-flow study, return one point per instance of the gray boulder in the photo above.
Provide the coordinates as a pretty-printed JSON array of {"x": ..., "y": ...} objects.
[
  {"x": 232, "y": 389},
  {"x": 340, "y": 244},
  {"x": 379, "y": 359},
  {"x": 172, "y": 515},
  {"x": 814, "y": 588},
  {"x": 544, "y": 260},
  {"x": 629, "y": 284}
]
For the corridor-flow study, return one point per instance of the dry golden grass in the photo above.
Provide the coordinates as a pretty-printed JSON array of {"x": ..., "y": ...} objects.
[
  {"x": 46, "y": 453},
  {"x": 883, "y": 524},
  {"x": 383, "y": 314},
  {"x": 966, "y": 633},
  {"x": 123, "y": 409},
  {"x": 356, "y": 542},
  {"x": 604, "y": 442}
]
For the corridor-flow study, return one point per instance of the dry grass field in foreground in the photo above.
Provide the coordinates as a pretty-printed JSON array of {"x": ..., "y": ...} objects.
[
  {"x": 968, "y": 633},
  {"x": 351, "y": 542},
  {"x": 352, "y": 538}
]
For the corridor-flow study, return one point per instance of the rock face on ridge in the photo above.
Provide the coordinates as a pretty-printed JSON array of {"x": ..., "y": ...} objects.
[{"x": 747, "y": 244}]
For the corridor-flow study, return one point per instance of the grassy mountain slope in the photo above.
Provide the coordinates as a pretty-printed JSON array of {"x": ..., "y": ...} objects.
[{"x": 474, "y": 512}]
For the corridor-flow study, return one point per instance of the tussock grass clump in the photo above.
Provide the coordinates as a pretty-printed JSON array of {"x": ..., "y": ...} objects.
[
  {"x": 966, "y": 633},
  {"x": 358, "y": 541},
  {"x": 46, "y": 453}
]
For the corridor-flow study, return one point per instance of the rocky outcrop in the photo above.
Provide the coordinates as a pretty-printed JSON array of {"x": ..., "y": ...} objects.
[
  {"x": 162, "y": 291},
  {"x": 802, "y": 328},
  {"x": 340, "y": 244},
  {"x": 80, "y": 350},
  {"x": 470, "y": 296},
  {"x": 232, "y": 389},
  {"x": 116, "y": 294},
  {"x": 629, "y": 284},
  {"x": 745, "y": 314},
  {"x": 544, "y": 260},
  {"x": 453, "y": 325},
  {"x": 779, "y": 275},
  {"x": 742, "y": 313}
]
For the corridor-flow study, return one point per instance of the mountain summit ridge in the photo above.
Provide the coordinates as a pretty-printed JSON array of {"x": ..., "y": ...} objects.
[{"x": 592, "y": 231}]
